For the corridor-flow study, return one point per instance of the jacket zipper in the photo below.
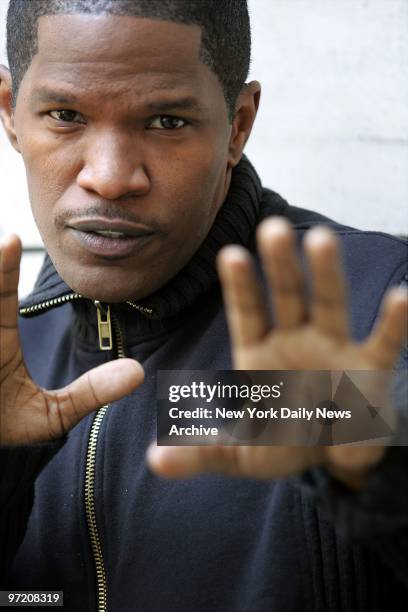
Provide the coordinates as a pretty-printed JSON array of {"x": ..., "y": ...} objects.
[
  {"x": 106, "y": 323},
  {"x": 69, "y": 297},
  {"x": 90, "y": 509}
]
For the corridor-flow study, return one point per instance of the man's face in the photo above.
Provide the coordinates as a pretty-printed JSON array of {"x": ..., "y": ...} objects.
[{"x": 122, "y": 129}]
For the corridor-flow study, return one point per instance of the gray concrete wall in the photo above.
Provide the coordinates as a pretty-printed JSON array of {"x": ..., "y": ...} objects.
[{"x": 332, "y": 130}]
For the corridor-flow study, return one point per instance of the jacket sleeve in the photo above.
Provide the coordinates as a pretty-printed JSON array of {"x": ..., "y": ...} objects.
[
  {"x": 19, "y": 467},
  {"x": 377, "y": 515}
]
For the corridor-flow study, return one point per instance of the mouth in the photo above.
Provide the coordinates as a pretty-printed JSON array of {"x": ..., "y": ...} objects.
[
  {"x": 107, "y": 238},
  {"x": 110, "y": 234}
]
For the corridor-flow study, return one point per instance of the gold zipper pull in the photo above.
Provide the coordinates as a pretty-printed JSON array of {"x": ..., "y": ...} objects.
[{"x": 104, "y": 326}]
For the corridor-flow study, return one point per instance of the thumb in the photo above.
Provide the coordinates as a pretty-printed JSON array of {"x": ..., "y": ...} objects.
[
  {"x": 102, "y": 385},
  {"x": 187, "y": 461}
]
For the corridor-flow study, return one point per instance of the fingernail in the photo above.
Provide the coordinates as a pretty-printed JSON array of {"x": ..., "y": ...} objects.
[
  {"x": 319, "y": 236},
  {"x": 234, "y": 251},
  {"x": 400, "y": 293},
  {"x": 274, "y": 225}
]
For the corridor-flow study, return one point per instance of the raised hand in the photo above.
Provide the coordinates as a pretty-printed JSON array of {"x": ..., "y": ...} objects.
[
  {"x": 305, "y": 336},
  {"x": 28, "y": 413}
]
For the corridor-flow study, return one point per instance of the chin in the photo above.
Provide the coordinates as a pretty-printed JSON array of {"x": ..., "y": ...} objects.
[
  {"x": 112, "y": 284},
  {"x": 113, "y": 296},
  {"x": 104, "y": 291}
]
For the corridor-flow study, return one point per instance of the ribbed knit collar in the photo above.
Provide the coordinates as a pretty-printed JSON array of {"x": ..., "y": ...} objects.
[{"x": 234, "y": 223}]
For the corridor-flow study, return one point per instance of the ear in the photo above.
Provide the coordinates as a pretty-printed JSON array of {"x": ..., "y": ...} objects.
[
  {"x": 245, "y": 113},
  {"x": 6, "y": 107}
]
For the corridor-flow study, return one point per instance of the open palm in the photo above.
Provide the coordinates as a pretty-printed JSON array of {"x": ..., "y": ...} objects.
[
  {"x": 28, "y": 413},
  {"x": 309, "y": 333}
]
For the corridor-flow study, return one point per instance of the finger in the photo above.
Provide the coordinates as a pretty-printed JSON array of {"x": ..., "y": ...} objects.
[
  {"x": 390, "y": 333},
  {"x": 10, "y": 256},
  {"x": 329, "y": 304},
  {"x": 243, "y": 298},
  {"x": 94, "y": 389},
  {"x": 277, "y": 245}
]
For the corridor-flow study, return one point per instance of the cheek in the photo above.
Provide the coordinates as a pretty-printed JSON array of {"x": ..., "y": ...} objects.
[
  {"x": 49, "y": 172},
  {"x": 188, "y": 215},
  {"x": 48, "y": 168},
  {"x": 192, "y": 186}
]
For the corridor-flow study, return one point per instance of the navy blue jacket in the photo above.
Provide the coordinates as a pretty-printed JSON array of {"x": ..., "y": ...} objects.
[{"x": 208, "y": 543}]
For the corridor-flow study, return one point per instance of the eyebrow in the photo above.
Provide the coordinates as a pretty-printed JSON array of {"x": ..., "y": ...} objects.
[
  {"x": 187, "y": 103},
  {"x": 184, "y": 104},
  {"x": 48, "y": 95}
]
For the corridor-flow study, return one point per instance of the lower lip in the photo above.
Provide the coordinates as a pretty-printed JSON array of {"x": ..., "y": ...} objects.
[{"x": 110, "y": 247}]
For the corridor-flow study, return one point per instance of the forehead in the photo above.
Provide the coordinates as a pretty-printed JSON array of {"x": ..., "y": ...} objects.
[{"x": 89, "y": 49}]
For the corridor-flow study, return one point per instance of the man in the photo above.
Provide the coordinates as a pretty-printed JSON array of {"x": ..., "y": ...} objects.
[{"x": 131, "y": 118}]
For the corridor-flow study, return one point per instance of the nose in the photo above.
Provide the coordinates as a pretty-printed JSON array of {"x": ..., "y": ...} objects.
[{"x": 112, "y": 167}]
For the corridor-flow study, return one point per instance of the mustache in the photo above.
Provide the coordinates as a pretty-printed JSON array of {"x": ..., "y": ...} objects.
[{"x": 107, "y": 210}]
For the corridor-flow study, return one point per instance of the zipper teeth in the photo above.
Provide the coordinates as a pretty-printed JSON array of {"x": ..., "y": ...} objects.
[
  {"x": 62, "y": 299},
  {"x": 141, "y": 308},
  {"x": 120, "y": 349},
  {"x": 90, "y": 508}
]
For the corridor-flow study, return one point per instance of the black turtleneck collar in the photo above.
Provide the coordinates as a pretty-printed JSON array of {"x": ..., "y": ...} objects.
[{"x": 235, "y": 223}]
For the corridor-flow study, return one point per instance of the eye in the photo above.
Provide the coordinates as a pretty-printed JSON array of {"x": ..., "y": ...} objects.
[
  {"x": 66, "y": 116},
  {"x": 167, "y": 122}
]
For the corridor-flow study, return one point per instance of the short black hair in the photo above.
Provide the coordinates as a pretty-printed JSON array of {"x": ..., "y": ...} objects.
[{"x": 225, "y": 42}]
